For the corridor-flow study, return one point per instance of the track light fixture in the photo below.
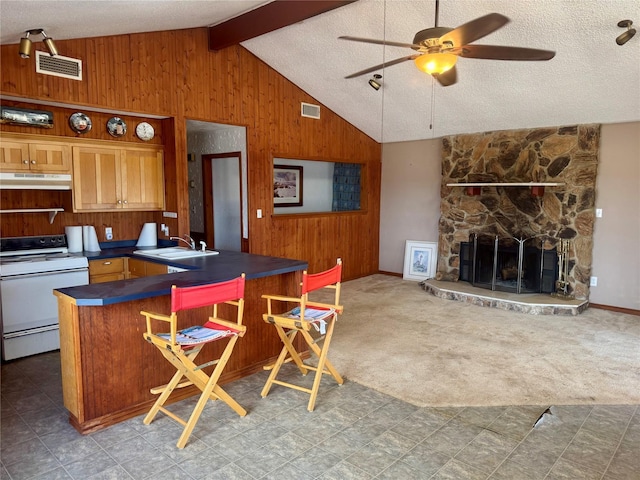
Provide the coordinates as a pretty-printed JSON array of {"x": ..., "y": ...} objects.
[
  {"x": 625, "y": 36},
  {"x": 375, "y": 81},
  {"x": 25, "y": 43}
]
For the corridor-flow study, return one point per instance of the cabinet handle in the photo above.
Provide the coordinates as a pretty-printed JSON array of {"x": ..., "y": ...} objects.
[
  {"x": 33, "y": 162},
  {"x": 107, "y": 263},
  {"x": 125, "y": 202},
  {"x": 25, "y": 161},
  {"x": 119, "y": 201}
]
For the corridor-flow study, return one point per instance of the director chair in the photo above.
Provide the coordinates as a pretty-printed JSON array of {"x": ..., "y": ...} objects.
[
  {"x": 307, "y": 315},
  {"x": 182, "y": 347}
]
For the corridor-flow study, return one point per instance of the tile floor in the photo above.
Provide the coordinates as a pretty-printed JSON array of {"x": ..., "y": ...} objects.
[{"x": 354, "y": 433}]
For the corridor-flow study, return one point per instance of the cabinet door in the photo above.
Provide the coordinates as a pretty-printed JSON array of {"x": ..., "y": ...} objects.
[
  {"x": 50, "y": 157},
  {"x": 35, "y": 155},
  {"x": 142, "y": 179},
  {"x": 136, "y": 268},
  {"x": 14, "y": 155},
  {"x": 96, "y": 179}
]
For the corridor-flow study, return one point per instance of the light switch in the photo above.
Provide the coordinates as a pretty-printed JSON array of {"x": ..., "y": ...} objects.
[
  {"x": 259, "y": 213},
  {"x": 598, "y": 212}
]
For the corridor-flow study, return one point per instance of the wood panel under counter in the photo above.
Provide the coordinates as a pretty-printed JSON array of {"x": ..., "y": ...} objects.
[{"x": 107, "y": 367}]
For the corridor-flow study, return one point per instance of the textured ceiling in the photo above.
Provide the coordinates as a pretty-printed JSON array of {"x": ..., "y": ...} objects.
[{"x": 590, "y": 80}]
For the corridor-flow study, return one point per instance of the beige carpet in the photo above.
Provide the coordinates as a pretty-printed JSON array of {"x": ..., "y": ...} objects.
[{"x": 400, "y": 340}]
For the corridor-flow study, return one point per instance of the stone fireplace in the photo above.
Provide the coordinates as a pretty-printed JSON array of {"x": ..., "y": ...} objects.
[{"x": 563, "y": 159}]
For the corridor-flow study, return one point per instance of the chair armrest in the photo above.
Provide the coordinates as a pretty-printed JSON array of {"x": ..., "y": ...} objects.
[
  {"x": 156, "y": 316},
  {"x": 282, "y": 298}
]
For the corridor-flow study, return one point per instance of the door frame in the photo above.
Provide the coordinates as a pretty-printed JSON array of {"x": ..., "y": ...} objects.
[{"x": 207, "y": 192}]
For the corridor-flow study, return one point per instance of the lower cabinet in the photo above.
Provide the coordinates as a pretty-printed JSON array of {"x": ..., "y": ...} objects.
[
  {"x": 140, "y": 268},
  {"x": 107, "y": 270}
]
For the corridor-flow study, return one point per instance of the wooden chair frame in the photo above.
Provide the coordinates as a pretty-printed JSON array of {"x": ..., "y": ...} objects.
[
  {"x": 182, "y": 357},
  {"x": 288, "y": 328}
]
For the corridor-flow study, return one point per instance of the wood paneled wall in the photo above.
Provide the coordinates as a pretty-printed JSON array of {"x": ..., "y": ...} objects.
[{"x": 172, "y": 74}]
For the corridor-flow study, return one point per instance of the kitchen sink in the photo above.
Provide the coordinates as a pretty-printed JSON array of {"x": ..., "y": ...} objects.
[{"x": 174, "y": 253}]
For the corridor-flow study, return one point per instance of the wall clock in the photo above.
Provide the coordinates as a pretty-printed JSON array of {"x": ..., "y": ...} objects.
[
  {"x": 116, "y": 127},
  {"x": 145, "y": 131},
  {"x": 79, "y": 122}
]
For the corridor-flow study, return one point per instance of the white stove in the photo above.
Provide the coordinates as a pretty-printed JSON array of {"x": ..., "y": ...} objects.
[{"x": 30, "y": 269}]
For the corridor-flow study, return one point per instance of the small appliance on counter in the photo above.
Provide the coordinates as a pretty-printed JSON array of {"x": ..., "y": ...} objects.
[{"x": 30, "y": 269}]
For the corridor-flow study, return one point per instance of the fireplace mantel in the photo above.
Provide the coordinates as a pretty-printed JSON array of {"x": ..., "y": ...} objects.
[{"x": 475, "y": 188}]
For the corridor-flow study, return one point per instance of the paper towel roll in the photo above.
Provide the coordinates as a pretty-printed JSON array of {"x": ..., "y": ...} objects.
[
  {"x": 74, "y": 238},
  {"x": 90, "y": 239},
  {"x": 148, "y": 236}
]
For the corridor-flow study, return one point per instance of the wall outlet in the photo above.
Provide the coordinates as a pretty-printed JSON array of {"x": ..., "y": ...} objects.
[
  {"x": 108, "y": 233},
  {"x": 164, "y": 229},
  {"x": 593, "y": 282}
]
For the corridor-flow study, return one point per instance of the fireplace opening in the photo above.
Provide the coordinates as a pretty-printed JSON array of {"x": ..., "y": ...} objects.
[{"x": 509, "y": 264}]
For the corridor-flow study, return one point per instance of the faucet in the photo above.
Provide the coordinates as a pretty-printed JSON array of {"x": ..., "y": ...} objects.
[{"x": 191, "y": 242}]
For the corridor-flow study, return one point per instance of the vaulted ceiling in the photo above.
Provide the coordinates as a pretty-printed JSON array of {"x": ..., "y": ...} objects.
[{"x": 591, "y": 79}]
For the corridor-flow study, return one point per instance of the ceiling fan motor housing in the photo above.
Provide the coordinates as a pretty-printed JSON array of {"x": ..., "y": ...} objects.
[{"x": 429, "y": 37}]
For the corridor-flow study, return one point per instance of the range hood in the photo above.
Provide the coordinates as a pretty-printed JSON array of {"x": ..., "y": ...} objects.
[{"x": 35, "y": 181}]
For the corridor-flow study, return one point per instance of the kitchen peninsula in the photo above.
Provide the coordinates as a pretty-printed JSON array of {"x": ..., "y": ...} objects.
[{"x": 107, "y": 367}]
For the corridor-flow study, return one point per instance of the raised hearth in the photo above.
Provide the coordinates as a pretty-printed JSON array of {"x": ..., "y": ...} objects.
[{"x": 531, "y": 303}]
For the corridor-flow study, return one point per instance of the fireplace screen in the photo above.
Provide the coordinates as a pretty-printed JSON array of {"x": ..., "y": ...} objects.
[{"x": 508, "y": 264}]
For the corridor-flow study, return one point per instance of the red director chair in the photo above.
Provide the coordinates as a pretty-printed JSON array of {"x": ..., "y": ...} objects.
[
  {"x": 181, "y": 348},
  {"x": 307, "y": 315}
]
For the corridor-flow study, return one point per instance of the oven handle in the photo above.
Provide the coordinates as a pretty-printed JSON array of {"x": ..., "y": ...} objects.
[
  {"x": 42, "y": 274},
  {"x": 32, "y": 331}
]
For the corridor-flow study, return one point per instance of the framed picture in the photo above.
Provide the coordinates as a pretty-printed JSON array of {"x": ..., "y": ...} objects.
[
  {"x": 22, "y": 116},
  {"x": 287, "y": 186},
  {"x": 420, "y": 260}
]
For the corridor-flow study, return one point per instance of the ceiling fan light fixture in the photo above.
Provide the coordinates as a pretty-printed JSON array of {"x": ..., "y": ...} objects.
[{"x": 436, "y": 63}]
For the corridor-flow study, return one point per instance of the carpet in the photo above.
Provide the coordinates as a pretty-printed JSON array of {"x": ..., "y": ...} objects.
[{"x": 396, "y": 338}]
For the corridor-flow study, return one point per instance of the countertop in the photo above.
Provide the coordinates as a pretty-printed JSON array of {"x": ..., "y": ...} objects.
[{"x": 203, "y": 270}]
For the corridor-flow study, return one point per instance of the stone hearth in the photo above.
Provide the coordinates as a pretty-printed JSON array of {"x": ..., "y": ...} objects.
[
  {"x": 563, "y": 155},
  {"x": 531, "y": 303}
]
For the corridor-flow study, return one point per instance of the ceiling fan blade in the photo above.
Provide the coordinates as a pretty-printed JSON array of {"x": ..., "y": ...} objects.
[
  {"x": 448, "y": 78},
  {"x": 383, "y": 65},
  {"x": 379, "y": 42},
  {"x": 496, "y": 52},
  {"x": 475, "y": 29}
]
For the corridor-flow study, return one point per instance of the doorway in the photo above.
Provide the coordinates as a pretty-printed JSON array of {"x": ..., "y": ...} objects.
[
  {"x": 215, "y": 141},
  {"x": 222, "y": 189}
]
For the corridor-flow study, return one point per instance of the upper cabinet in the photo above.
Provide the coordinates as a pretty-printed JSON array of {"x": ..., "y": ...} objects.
[
  {"x": 107, "y": 178},
  {"x": 34, "y": 153}
]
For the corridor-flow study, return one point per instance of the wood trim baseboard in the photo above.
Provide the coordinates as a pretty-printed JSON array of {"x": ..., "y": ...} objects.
[
  {"x": 394, "y": 274},
  {"x": 629, "y": 311}
]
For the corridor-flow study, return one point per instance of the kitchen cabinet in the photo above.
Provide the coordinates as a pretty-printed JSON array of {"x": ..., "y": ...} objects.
[
  {"x": 109, "y": 178},
  {"x": 34, "y": 153},
  {"x": 141, "y": 268},
  {"x": 107, "y": 270}
]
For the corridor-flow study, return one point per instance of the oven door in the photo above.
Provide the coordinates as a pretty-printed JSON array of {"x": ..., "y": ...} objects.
[{"x": 29, "y": 312}]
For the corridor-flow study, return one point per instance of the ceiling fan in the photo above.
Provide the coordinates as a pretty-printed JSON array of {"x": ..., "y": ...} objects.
[{"x": 439, "y": 48}]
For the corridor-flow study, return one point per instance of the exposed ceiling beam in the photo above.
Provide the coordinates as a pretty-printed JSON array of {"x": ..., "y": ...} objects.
[{"x": 265, "y": 19}]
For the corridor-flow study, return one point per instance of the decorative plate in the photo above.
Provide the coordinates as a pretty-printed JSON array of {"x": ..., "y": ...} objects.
[
  {"x": 145, "y": 131},
  {"x": 79, "y": 122},
  {"x": 116, "y": 127}
]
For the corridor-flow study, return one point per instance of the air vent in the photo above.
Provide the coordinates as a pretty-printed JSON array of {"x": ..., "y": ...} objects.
[
  {"x": 58, "y": 66},
  {"x": 311, "y": 111}
]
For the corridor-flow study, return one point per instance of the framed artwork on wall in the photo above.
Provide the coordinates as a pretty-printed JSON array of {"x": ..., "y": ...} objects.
[
  {"x": 287, "y": 186},
  {"x": 420, "y": 260}
]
